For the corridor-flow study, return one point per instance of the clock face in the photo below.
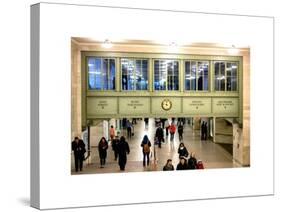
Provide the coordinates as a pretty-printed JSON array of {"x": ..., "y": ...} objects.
[{"x": 166, "y": 104}]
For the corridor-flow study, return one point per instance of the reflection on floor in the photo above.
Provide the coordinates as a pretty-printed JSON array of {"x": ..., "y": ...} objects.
[{"x": 212, "y": 155}]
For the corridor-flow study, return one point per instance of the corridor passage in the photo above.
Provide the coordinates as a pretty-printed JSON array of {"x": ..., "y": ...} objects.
[{"x": 212, "y": 155}]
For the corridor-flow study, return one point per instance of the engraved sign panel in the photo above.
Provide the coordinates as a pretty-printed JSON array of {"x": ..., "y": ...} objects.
[
  {"x": 134, "y": 106},
  {"x": 225, "y": 106},
  {"x": 197, "y": 106},
  {"x": 98, "y": 106}
]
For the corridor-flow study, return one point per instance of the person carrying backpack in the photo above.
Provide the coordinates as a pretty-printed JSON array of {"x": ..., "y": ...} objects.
[{"x": 145, "y": 144}]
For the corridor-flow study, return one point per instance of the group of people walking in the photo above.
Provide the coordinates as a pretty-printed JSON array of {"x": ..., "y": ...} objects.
[{"x": 121, "y": 147}]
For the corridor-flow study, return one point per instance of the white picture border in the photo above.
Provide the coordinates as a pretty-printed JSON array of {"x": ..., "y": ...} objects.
[{"x": 59, "y": 189}]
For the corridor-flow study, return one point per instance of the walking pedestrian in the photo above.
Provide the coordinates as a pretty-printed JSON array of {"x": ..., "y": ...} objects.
[
  {"x": 112, "y": 133},
  {"x": 159, "y": 135},
  {"x": 123, "y": 149},
  {"x": 145, "y": 144},
  {"x": 129, "y": 129},
  {"x": 78, "y": 147},
  {"x": 172, "y": 129},
  {"x": 146, "y": 120},
  {"x": 202, "y": 130},
  {"x": 103, "y": 146},
  {"x": 114, "y": 145},
  {"x": 205, "y": 127},
  {"x": 166, "y": 126},
  {"x": 180, "y": 131}
]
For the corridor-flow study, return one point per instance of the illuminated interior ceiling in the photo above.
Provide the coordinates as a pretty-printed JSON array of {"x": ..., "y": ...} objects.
[{"x": 90, "y": 41}]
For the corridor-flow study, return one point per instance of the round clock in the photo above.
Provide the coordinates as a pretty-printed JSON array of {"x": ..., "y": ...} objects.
[{"x": 166, "y": 104}]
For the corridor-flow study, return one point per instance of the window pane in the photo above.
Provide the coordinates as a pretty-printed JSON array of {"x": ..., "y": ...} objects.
[
  {"x": 232, "y": 76},
  {"x": 187, "y": 75},
  {"x": 200, "y": 76},
  {"x": 128, "y": 77},
  {"x": 217, "y": 76},
  {"x": 141, "y": 74},
  {"x": 101, "y": 73},
  {"x": 173, "y": 75},
  {"x": 112, "y": 74},
  {"x": 205, "y": 66},
  {"x": 193, "y": 75},
  {"x": 222, "y": 76},
  {"x": 160, "y": 74},
  {"x": 94, "y": 74},
  {"x": 105, "y": 74}
]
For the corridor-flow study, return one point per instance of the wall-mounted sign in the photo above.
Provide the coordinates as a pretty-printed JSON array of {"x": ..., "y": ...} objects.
[
  {"x": 134, "y": 105},
  {"x": 98, "y": 106},
  {"x": 226, "y": 106},
  {"x": 197, "y": 106}
]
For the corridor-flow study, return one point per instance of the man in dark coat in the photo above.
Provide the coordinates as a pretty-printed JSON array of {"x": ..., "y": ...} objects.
[
  {"x": 205, "y": 131},
  {"x": 114, "y": 144},
  {"x": 78, "y": 147},
  {"x": 202, "y": 130},
  {"x": 180, "y": 131},
  {"x": 159, "y": 135},
  {"x": 123, "y": 149}
]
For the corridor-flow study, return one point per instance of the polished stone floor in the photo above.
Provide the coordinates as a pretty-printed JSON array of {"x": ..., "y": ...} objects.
[{"x": 212, "y": 155}]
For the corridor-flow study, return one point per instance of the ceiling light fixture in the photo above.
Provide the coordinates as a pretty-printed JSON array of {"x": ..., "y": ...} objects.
[
  {"x": 107, "y": 44},
  {"x": 233, "y": 50},
  {"x": 173, "y": 44}
]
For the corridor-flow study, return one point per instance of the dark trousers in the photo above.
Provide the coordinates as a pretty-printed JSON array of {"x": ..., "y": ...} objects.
[
  {"x": 122, "y": 162},
  {"x": 78, "y": 159},
  {"x": 160, "y": 140},
  {"x": 115, "y": 154},
  {"x": 102, "y": 158},
  {"x": 167, "y": 131},
  {"x": 172, "y": 136},
  {"x": 180, "y": 136},
  {"x": 102, "y": 161},
  {"x": 129, "y": 132},
  {"x": 146, "y": 156}
]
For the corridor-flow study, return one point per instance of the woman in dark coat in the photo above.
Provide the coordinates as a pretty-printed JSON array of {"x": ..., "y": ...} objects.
[
  {"x": 182, "y": 164},
  {"x": 123, "y": 149},
  {"x": 182, "y": 151},
  {"x": 103, "y": 146}
]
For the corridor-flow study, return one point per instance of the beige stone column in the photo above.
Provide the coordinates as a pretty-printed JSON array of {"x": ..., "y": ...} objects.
[{"x": 75, "y": 90}]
